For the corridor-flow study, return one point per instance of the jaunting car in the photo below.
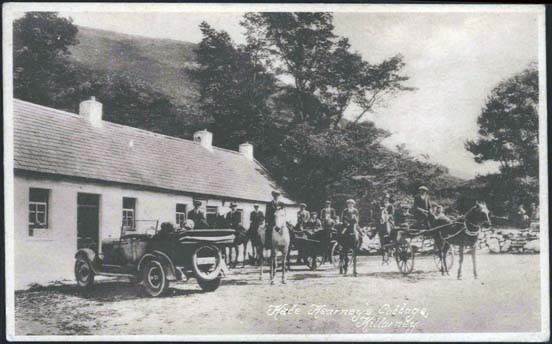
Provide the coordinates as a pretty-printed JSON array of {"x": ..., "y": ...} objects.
[{"x": 153, "y": 257}]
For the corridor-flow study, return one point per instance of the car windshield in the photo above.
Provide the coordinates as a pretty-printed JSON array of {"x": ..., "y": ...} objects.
[{"x": 141, "y": 227}]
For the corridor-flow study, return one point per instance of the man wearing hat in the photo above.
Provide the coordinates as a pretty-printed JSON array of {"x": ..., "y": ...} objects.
[
  {"x": 198, "y": 216},
  {"x": 256, "y": 218},
  {"x": 270, "y": 217},
  {"x": 303, "y": 217},
  {"x": 233, "y": 217},
  {"x": 422, "y": 208}
]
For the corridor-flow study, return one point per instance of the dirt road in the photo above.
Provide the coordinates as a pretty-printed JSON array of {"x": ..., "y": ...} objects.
[{"x": 505, "y": 298}]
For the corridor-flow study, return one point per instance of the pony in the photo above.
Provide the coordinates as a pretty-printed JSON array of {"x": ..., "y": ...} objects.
[
  {"x": 466, "y": 233},
  {"x": 349, "y": 238},
  {"x": 280, "y": 243}
]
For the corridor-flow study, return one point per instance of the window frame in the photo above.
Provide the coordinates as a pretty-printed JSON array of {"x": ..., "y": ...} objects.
[
  {"x": 180, "y": 214},
  {"x": 131, "y": 211},
  {"x": 34, "y": 213}
]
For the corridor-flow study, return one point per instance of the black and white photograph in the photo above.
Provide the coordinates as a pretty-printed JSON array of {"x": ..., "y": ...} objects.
[{"x": 262, "y": 172}]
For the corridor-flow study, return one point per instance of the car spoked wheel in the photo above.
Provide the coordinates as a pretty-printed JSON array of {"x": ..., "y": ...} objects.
[
  {"x": 83, "y": 272},
  {"x": 154, "y": 278},
  {"x": 207, "y": 263}
]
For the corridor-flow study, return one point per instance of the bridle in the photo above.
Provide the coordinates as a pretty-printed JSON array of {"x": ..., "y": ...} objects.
[{"x": 467, "y": 225}]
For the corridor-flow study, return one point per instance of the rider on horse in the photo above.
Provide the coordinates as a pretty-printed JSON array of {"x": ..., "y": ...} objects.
[
  {"x": 271, "y": 217},
  {"x": 349, "y": 216}
]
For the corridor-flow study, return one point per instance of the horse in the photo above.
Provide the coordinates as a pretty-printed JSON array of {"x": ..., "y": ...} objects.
[
  {"x": 349, "y": 238},
  {"x": 280, "y": 243},
  {"x": 242, "y": 238},
  {"x": 466, "y": 233}
]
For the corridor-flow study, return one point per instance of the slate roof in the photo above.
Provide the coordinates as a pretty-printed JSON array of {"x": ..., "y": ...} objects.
[{"x": 62, "y": 143}]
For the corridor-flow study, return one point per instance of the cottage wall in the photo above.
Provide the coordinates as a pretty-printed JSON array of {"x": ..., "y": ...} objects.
[{"x": 42, "y": 260}]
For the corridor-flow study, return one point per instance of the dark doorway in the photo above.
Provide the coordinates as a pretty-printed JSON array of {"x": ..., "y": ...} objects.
[{"x": 88, "y": 220}]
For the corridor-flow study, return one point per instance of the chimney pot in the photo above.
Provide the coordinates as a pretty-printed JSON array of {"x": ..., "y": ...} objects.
[
  {"x": 91, "y": 110},
  {"x": 204, "y": 138},
  {"x": 246, "y": 149}
]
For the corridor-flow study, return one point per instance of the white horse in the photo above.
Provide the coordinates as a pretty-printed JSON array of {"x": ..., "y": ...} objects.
[{"x": 280, "y": 243}]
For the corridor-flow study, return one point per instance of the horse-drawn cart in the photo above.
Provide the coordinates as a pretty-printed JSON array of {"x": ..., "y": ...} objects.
[{"x": 316, "y": 249}]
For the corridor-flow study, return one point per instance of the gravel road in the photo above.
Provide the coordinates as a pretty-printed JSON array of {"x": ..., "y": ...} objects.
[{"x": 505, "y": 298}]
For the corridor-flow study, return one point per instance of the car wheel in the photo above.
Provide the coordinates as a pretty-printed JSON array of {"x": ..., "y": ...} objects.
[
  {"x": 154, "y": 279},
  {"x": 83, "y": 272},
  {"x": 207, "y": 263},
  {"x": 209, "y": 286}
]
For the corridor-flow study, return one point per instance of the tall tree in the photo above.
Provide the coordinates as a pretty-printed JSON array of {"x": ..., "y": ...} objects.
[
  {"x": 508, "y": 133},
  {"x": 235, "y": 91},
  {"x": 327, "y": 77},
  {"x": 509, "y": 125},
  {"x": 41, "y": 42}
]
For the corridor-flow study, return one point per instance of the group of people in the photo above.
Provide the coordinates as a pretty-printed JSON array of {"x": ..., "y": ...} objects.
[{"x": 384, "y": 213}]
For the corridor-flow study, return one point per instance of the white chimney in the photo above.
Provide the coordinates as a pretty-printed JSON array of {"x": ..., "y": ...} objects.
[
  {"x": 205, "y": 138},
  {"x": 246, "y": 149},
  {"x": 92, "y": 111}
]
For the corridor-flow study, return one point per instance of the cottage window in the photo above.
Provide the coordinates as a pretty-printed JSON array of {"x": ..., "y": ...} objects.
[
  {"x": 129, "y": 208},
  {"x": 38, "y": 212},
  {"x": 180, "y": 214}
]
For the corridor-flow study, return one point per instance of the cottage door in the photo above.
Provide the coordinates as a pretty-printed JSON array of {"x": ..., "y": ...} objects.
[{"x": 88, "y": 220}]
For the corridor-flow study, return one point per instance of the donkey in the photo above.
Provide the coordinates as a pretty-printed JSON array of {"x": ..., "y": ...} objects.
[
  {"x": 466, "y": 233},
  {"x": 280, "y": 243}
]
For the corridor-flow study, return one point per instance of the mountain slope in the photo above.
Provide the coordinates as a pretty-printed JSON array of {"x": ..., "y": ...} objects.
[{"x": 159, "y": 62}]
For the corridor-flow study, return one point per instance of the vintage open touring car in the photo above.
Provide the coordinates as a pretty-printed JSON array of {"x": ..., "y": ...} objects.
[{"x": 153, "y": 257}]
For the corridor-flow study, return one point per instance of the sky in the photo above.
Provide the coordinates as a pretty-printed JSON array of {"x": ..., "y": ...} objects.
[{"x": 453, "y": 59}]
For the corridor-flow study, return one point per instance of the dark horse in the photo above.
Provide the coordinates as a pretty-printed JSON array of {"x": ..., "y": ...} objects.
[
  {"x": 350, "y": 239},
  {"x": 242, "y": 238},
  {"x": 465, "y": 233}
]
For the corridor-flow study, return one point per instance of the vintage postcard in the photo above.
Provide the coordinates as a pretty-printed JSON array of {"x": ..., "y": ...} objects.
[{"x": 256, "y": 172}]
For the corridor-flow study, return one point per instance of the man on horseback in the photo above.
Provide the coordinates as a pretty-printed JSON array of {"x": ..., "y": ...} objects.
[
  {"x": 422, "y": 208},
  {"x": 233, "y": 218},
  {"x": 271, "y": 217},
  {"x": 303, "y": 217},
  {"x": 349, "y": 216}
]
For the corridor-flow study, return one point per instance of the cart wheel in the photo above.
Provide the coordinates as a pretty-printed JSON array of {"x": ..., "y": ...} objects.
[
  {"x": 207, "y": 263},
  {"x": 336, "y": 252},
  {"x": 83, "y": 272},
  {"x": 314, "y": 263},
  {"x": 209, "y": 286},
  {"x": 154, "y": 278},
  {"x": 404, "y": 256},
  {"x": 449, "y": 259}
]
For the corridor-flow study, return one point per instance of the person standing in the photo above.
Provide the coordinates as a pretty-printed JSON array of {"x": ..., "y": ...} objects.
[
  {"x": 303, "y": 217},
  {"x": 328, "y": 213},
  {"x": 256, "y": 218}
]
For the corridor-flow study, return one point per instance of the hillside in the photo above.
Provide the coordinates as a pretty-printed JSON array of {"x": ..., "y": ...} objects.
[{"x": 159, "y": 62}]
